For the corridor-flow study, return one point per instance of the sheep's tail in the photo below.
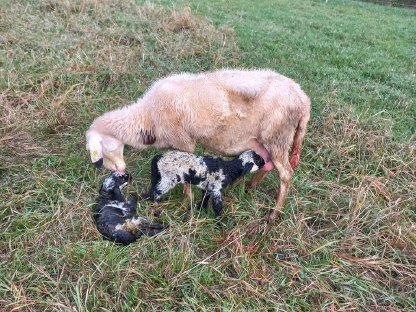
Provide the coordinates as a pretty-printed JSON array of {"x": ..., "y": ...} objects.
[{"x": 298, "y": 140}]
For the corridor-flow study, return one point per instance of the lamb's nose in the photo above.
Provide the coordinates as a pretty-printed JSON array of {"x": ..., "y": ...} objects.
[{"x": 99, "y": 163}]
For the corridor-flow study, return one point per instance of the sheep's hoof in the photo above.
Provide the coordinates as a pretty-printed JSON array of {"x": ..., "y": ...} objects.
[{"x": 272, "y": 216}]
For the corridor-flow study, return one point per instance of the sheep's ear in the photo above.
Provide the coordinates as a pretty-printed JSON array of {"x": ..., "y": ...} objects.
[
  {"x": 94, "y": 146},
  {"x": 147, "y": 136}
]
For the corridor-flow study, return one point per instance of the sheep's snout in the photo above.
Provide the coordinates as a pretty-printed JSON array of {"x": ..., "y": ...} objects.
[
  {"x": 113, "y": 160},
  {"x": 118, "y": 166}
]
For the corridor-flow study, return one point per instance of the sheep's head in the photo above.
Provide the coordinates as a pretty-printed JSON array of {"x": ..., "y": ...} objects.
[{"x": 105, "y": 150}]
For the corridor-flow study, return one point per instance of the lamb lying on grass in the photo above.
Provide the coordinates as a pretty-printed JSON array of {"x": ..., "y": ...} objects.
[
  {"x": 211, "y": 174},
  {"x": 116, "y": 218}
]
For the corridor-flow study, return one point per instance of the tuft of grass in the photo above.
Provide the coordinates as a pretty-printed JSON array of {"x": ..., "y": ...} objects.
[{"x": 346, "y": 239}]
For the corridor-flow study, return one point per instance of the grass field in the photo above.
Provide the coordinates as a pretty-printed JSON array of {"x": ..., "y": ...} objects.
[{"x": 347, "y": 237}]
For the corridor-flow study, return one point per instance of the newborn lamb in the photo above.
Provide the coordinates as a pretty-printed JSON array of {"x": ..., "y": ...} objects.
[
  {"x": 116, "y": 218},
  {"x": 211, "y": 174}
]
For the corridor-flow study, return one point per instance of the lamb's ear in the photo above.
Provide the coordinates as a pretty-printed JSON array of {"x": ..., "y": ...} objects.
[
  {"x": 94, "y": 145},
  {"x": 147, "y": 136}
]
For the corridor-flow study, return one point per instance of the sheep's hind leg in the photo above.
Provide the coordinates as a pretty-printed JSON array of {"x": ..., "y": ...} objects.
[{"x": 281, "y": 162}]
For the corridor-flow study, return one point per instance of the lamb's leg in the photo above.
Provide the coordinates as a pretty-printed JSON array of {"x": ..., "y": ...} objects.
[
  {"x": 268, "y": 166},
  {"x": 161, "y": 188},
  {"x": 155, "y": 179},
  {"x": 185, "y": 144},
  {"x": 157, "y": 190},
  {"x": 281, "y": 162},
  {"x": 217, "y": 204},
  {"x": 150, "y": 195},
  {"x": 118, "y": 195},
  {"x": 159, "y": 184},
  {"x": 204, "y": 201},
  {"x": 133, "y": 203}
]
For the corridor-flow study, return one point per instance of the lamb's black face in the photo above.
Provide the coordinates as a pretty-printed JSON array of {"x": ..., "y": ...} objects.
[
  {"x": 116, "y": 180},
  {"x": 251, "y": 161},
  {"x": 258, "y": 160}
]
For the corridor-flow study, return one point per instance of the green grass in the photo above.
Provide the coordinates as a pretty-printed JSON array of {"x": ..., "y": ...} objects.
[{"x": 347, "y": 237}]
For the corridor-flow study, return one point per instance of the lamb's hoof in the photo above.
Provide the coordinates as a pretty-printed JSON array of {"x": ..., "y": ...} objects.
[{"x": 271, "y": 219}]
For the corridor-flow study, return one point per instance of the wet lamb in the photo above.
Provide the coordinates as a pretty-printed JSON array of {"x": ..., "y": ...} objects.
[
  {"x": 116, "y": 218},
  {"x": 211, "y": 174}
]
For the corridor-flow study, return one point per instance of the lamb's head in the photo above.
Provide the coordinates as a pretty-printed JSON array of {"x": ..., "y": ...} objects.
[
  {"x": 251, "y": 160},
  {"x": 105, "y": 150},
  {"x": 115, "y": 181}
]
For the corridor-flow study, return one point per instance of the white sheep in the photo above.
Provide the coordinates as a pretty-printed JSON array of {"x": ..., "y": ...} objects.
[{"x": 227, "y": 111}]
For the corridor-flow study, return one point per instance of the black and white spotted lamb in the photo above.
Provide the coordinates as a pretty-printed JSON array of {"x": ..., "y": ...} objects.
[
  {"x": 116, "y": 218},
  {"x": 211, "y": 174}
]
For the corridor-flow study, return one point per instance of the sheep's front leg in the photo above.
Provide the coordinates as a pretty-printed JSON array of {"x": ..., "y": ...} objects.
[{"x": 158, "y": 186}]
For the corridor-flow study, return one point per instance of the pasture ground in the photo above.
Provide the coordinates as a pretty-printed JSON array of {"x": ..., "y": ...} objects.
[{"x": 346, "y": 239}]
